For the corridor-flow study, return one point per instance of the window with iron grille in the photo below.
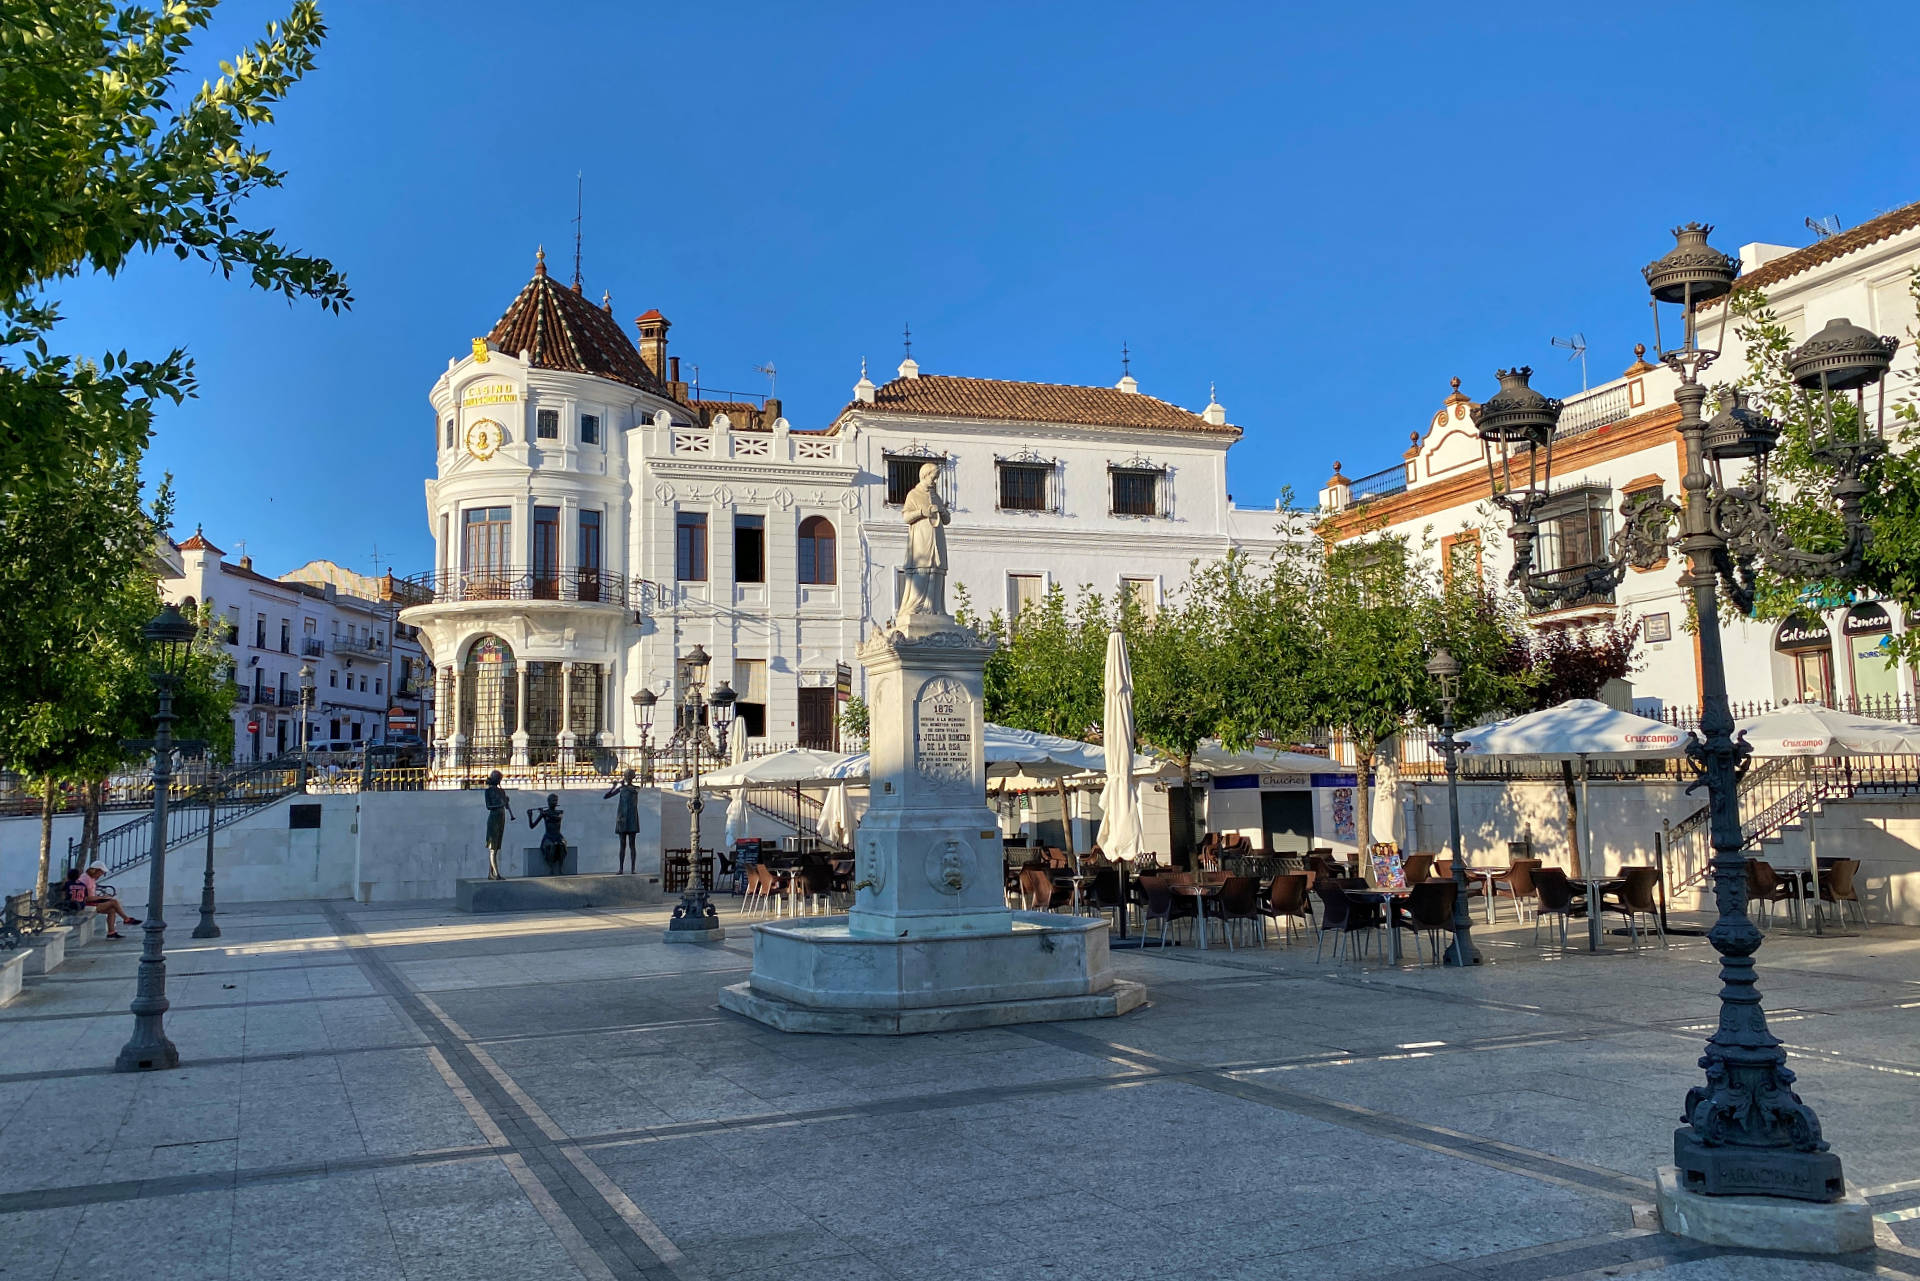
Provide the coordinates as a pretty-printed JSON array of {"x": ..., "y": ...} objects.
[
  {"x": 1136, "y": 491},
  {"x": 1575, "y": 527},
  {"x": 546, "y": 424},
  {"x": 903, "y": 473},
  {"x": 1023, "y": 487}
]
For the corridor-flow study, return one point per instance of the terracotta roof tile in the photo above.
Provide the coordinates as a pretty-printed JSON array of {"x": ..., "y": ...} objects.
[
  {"x": 1870, "y": 232},
  {"x": 199, "y": 543},
  {"x": 560, "y": 329},
  {"x": 941, "y": 396}
]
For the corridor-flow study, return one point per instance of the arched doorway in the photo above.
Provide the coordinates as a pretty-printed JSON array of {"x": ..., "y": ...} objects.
[{"x": 489, "y": 701}]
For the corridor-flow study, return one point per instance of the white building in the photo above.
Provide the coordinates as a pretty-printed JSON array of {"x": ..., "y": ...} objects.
[
  {"x": 1618, "y": 439},
  {"x": 369, "y": 673},
  {"x": 595, "y": 518}
]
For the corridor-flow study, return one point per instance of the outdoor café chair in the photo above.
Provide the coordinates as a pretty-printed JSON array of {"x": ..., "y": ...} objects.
[
  {"x": 1555, "y": 896},
  {"x": 1239, "y": 901},
  {"x": 1287, "y": 901},
  {"x": 812, "y": 887},
  {"x": 1036, "y": 888},
  {"x": 1418, "y": 868},
  {"x": 1163, "y": 906},
  {"x": 1633, "y": 898},
  {"x": 1344, "y": 916},
  {"x": 1428, "y": 911},
  {"x": 1765, "y": 888},
  {"x": 1517, "y": 884},
  {"x": 1837, "y": 887}
]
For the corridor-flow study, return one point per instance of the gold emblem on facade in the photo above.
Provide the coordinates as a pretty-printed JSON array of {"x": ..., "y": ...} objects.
[
  {"x": 480, "y": 350},
  {"x": 484, "y": 438}
]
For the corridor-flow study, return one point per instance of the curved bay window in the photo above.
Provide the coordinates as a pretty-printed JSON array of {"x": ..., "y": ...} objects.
[
  {"x": 817, "y": 564},
  {"x": 489, "y": 701}
]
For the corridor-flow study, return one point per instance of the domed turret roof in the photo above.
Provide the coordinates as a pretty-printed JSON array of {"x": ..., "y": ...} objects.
[{"x": 559, "y": 329}]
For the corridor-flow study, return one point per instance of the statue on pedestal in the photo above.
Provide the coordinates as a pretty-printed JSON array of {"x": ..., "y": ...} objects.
[
  {"x": 626, "y": 819},
  {"x": 553, "y": 845},
  {"x": 499, "y": 810},
  {"x": 927, "y": 516}
]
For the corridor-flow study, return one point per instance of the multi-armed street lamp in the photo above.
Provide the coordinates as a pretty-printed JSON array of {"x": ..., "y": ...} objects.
[
  {"x": 694, "y": 917},
  {"x": 1445, "y": 670},
  {"x": 1746, "y": 1130},
  {"x": 169, "y": 639}
]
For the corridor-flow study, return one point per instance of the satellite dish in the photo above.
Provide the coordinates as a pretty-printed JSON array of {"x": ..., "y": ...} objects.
[{"x": 1578, "y": 346}]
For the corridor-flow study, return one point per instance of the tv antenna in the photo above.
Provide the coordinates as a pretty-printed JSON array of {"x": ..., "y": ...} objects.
[
  {"x": 579, "y": 182},
  {"x": 769, "y": 371},
  {"x": 1578, "y": 346},
  {"x": 1823, "y": 228}
]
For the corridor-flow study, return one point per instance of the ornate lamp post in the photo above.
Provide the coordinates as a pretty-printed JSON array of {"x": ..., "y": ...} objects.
[
  {"x": 206, "y": 929},
  {"x": 1445, "y": 670},
  {"x": 1746, "y": 1131},
  {"x": 643, "y": 704},
  {"x": 306, "y": 707},
  {"x": 695, "y": 919},
  {"x": 170, "y": 639}
]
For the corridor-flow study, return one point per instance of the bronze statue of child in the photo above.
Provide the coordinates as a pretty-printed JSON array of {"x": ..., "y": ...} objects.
[
  {"x": 553, "y": 845},
  {"x": 626, "y": 820},
  {"x": 499, "y": 810}
]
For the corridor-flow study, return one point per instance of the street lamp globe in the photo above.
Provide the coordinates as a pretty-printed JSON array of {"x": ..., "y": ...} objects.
[
  {"x": 1445, "y": 670},
  {"x": 170, "y": 638},
  {"x": 721, "y": 701}
]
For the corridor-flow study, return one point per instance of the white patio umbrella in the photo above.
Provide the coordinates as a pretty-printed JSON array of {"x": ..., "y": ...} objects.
[
  {"x": 1578, "y": 729},
  {"x": 1120, "y": 835},
  {"x": 1808, "y": 729},
  {"x": 795, "y": 765},
  {"x": 1014, "y": 752}
]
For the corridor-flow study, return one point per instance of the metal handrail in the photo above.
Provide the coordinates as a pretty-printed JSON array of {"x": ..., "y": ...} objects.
[
  {"x": 222, "y": 800},
  {"x": 510, "y": 582}
]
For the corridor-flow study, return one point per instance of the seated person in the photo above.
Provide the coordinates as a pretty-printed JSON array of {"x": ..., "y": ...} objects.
[{"x": 89, "y": 896}]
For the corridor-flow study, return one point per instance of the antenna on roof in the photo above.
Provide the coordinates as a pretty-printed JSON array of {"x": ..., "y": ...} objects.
[
  {"x": 906, "y": 334},
  {"x": 1822, "y": 228},
  {"x": 579, "y": 184},
  {"x": 1126, "y": 360},
  {"x": 768, "y": 370},
  {"x": 1578, "y": 346}
]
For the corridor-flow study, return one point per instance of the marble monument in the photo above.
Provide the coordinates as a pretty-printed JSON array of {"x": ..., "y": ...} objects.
[{"x": 929, "y": 943}]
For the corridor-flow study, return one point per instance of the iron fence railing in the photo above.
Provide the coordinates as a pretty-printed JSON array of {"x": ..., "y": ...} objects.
[
  {"x": 1379, "y": 484},
  {"x": 1887, "y": 707},
  {"x": 504, "y": 582},
  {"x": 219, "y": 800}
]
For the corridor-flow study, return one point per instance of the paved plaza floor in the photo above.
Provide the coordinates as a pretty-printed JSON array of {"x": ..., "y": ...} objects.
[{"x": 398, "y": 1091}]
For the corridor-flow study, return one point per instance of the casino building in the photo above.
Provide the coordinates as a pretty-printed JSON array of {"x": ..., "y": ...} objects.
[{"x": 595, "y": 517}]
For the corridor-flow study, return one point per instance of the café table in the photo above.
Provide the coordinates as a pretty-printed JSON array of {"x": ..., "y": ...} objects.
[
  {"x": 1391, "y": 896},
  {"x": 1200, "y": 892},
  {"x": 1486, "y": 876},
  {"x": 1594, "y": 885}
]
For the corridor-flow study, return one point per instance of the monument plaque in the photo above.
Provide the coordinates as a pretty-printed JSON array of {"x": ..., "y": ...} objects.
[{"x": 943, "y": 733}]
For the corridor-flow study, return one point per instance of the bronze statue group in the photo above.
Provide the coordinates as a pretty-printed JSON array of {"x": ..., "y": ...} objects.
[{"x": 553, "y": 843}]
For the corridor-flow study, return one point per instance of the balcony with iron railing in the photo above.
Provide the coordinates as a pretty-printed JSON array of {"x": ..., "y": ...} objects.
[
  {"x": 354, "y": 647},
  {"x": 519, "y": 583}
]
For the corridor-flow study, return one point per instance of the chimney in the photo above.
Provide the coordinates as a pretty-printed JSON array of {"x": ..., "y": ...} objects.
[
  {"x": 246, "y": 562},
  {"x": 909, "y": 368},
  {"x": 1128, "y": 385},
  {"x": 653, "y": 342},
  {"x": 1215, "y": 413},
  {"x": 864, "y": 389}
]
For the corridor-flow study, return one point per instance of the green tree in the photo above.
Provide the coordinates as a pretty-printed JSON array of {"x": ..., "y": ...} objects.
[
  {"x": 1800, "y": 483},
  {"x": 99, "y": 164},
  {"x": 79, "y": 581}
]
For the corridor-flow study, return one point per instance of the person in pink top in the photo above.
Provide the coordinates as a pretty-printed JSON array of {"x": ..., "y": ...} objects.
[{"x": 85, "y": 890}]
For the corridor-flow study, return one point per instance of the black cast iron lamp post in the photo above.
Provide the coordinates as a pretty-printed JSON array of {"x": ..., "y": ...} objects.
[
  {"x": 170, "y": 641},
  {"x": 1445, "y": 670},
  {"x": 1746, "y": 1132},
  {"x": 643, "y": 703},
  {"x": 694, "y": 913}
]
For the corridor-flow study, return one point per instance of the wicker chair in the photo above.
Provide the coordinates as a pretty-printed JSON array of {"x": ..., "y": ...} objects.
[
  {"x": 1555, "y": 897},
  {"x": 1837, "y": 887},
  {"x": 1633, "y": 898}
]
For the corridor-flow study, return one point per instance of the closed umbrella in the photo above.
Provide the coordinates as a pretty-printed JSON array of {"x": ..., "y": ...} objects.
[
  {"x": 834, "y": 825},
  {"x": 1388, "y": 818},
  {"x": 1120, "y": 827},
  {"x": 737, "y": 807}
]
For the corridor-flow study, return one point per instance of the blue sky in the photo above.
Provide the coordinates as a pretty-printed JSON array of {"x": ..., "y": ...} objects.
[{"x": 1327, "y": 210}]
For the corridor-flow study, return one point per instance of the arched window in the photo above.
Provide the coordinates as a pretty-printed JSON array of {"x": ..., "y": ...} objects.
[{"x": 816, "y": 551}]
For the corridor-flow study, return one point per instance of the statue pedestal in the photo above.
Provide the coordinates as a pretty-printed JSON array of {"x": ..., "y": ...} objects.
[
  {"x": 929, "y": 944},
  {"x": 538, "y": 866}
]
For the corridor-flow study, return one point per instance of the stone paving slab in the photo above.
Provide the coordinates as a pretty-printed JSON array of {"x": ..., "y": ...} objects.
[{"x": 399, "y": 1091}]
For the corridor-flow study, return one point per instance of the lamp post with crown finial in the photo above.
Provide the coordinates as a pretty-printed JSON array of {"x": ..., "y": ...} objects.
[
  {"x": 695, "y": 919},
  {"x": 1445, "y": 670},
  {"x": 169, "y": 640},
  {"x": 1745, "y": 1132}
]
